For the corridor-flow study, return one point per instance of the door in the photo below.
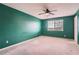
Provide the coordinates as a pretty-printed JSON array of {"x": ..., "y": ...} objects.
[{"x": 75, "y": 29}]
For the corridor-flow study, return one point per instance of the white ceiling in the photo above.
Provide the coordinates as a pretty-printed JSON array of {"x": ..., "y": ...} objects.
[{"x": 34, "y": 9}]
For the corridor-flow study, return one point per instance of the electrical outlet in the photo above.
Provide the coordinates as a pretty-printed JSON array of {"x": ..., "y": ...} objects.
[
  {"x": 7, "y": 41},
  {"x": 64, "y": 35}
]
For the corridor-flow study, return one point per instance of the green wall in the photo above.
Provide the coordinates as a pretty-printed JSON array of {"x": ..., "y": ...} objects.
[
  {"x": 16, "y": 26},
  {"x": 68, "y": 27}
]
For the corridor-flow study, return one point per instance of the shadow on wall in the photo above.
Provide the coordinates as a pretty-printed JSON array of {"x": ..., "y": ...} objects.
[{"x": 16, "y": 26}]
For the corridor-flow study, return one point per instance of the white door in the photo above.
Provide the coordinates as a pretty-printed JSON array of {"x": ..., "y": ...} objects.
[{"x": 75, "y": 29}]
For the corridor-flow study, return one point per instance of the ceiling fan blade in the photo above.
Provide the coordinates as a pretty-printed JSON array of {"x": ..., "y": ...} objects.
[
  {"x": 51, "y": 13},
  {"x": 44, "y": 10},
  {"x": 53, "y": 10},
  {"x": 41, "y": 13}
]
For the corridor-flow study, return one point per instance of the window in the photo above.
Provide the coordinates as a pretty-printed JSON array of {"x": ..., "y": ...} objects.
[{"x": 55, "y": 25}]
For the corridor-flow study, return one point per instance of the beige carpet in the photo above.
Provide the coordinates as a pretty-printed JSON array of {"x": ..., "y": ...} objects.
[{"x": 43, "y": 45}]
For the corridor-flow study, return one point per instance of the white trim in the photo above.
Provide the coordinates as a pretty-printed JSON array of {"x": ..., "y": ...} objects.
[
  {"x": 75, "y": 29},
  {"x": 18, "y": 44}
]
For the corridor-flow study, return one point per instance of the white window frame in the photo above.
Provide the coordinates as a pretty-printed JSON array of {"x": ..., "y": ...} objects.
[{"x": 55, "y": 25}]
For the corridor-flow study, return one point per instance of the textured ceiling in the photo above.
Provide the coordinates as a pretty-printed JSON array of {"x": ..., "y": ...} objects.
[{"x": 34, "y": 9}]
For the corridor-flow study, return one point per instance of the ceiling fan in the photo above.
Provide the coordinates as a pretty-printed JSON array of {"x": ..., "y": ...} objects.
[{"x": 47, "y": 11}]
